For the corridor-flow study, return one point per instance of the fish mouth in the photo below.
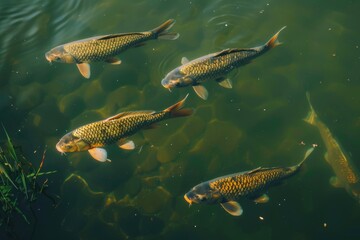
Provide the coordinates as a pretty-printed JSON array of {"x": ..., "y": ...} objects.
[
  {"x": 59, "y": 149},
  {"x": 48, "y": 57},
  {"x": 187, "y": 200}
]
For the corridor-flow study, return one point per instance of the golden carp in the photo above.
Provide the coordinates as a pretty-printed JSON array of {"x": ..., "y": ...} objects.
[
  {"x": 346, "y": 174},
  {"x": 91, "y": 137},
  {"x": 252, "y": 184},
  {"x": 214, "y": 66},
  {"x": 106, "y": 48}
]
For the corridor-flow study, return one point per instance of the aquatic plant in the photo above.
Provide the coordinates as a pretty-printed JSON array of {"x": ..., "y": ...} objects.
[{"x": 20, "y": 185}]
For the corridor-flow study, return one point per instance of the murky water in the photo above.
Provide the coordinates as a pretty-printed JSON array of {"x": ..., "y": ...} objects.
[{"x": 259, "y": 122}]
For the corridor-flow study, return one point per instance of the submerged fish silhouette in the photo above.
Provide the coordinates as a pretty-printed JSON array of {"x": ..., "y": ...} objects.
[
  {"x": 93, "y": 136},
  {"x": 105, "y": 48},
  {"x": 251, "y": 184},
  {"x": 214, "y": 66},
  {"x": 346, "y": 174}
]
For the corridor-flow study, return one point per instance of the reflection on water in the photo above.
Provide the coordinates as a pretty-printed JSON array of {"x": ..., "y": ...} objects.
[{"x": 256, "y": 123}]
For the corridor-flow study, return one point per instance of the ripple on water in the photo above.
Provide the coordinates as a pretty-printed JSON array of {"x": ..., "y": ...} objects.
[{"x": 25, "y": 26}]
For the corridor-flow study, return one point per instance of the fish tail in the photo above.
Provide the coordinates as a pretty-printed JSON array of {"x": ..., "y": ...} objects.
[
  {"x": 307, "y": 154},
  {"x": 273, "y": 42},
  {"x": 311, "y": 116},
  {"x": 161, "y": 32},
  {"x": 177, "y": 111}
]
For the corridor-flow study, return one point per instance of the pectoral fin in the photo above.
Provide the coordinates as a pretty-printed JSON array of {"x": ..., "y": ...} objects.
[
  {"x": 201, "y": 91},
  {"x": 262, "y": 199},
  {"x": 184, "y": 60},
  {"x": 129, "y": 145},
  {"x": 232, "y": 207},
  {"x": 334, "y": 181},
  {"x": 226, "y": 83},
  {"x": 84, "y": 69},
  {"x": 99, "y": 154},
  {"x": 113, "y": 60}
]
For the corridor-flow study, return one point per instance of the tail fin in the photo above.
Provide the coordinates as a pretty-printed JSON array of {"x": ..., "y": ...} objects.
[
  {"x": 177, "y": 111},
  {"x": 307, "y": 154},
  {"x": 273, "y": 42},
  {"x": 311, "y": 117},
  {"x": 161, "y": 32}
]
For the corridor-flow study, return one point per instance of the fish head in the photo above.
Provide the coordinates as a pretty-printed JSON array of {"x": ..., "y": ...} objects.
[
  {"x": 176, "y": 78},
  {"x": 59, "y": 54},
  {"x": 202, "y": 193},
  {"x": 70, "y": 143}
]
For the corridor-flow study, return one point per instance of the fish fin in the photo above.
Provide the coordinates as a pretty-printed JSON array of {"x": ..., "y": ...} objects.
[
  {"x": 99, "y": 154},
  {"x": 184, "y": 60},
  {"x": 84, "y": 69},
  {"x": 161, "y": 32},
  {"x": 177, "y": 111},
  {"x": 201, "y": 91},
  {"x": 255, "y": 170},
  {"x": 123, "y": 114},
  {"x": 126, "y": 145},
  {"x": 228, "y": 51},
  {"x": 113, "y": 60},
  {"x": 273, "y": 42},
  {"x": 311, "y": 116},
  {"x": 262, "y": 199},
  {"x": 110, "y": 36},
  {"x": 335, "y": 182},
  {"x": 232, "y": 207},
  {"x": 226, "y": 83}
]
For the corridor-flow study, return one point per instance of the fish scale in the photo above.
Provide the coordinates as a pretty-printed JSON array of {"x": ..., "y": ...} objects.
[
  {"x": 213, "y": 67},
  {"x": 237, "y": 185},
  {"x": 116, "y": 129},
  {"x": 100, "y": 50}
]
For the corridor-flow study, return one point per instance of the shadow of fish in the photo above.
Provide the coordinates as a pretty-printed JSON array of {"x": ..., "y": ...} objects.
[
  {"x": 346, "y": 174},
  {"x": 106, "y": 48},
  {"x": 214, "y": 66},
  {"x": 252, "y": 184},
  {"x": 116, "y": 129}
]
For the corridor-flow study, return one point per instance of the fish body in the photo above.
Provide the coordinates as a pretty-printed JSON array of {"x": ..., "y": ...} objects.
[
  {"x": 92, "y": 137},
  {"x": 346, "y": 174},
  {"x": 105, "y": 48},
  {"x": 215, "y": 66},
  {"x": 226, "y": 190}
]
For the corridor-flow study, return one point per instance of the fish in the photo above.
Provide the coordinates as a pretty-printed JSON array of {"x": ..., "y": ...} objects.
[
  {"x": 105, "y": 48},
  {"x": 214, "y": 66},
  {"x": 253, "y": 184},
  {"x": 347, "y": 176},
  {"x": 94, "y": 136}
]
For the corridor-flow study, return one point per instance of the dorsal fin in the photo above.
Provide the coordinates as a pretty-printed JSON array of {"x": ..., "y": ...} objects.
[
  {"x": 255, "y": 170},
  {"x": 123, "y": 114},
  {"x": 231, "y": 50},
  {"x": 116, "y": 35}
]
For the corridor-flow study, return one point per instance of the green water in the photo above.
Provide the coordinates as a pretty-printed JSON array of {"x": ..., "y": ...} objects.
[{"x": 139, "y": 195}]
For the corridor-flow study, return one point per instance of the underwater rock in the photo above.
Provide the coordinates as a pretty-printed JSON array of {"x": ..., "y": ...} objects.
[
  {"x": 151, "y": 225},
  {"x": 174, "y": 146},
  {"x": 29, "y": 96},
  {"x": 85, "y": 118},
  {"x": 114, "y": 78},
  {"x": 220, "y": 138},
  {"x": 77, "y": 193},
  {"x": 121, "y": 100},
  {"x": 71, "y": 105},
  {"x": 149, "y": 164},
  {"x": 152, "y": 201},
  {"x": 46, "y": 118},
  {"x": 93, "y": 95}
]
